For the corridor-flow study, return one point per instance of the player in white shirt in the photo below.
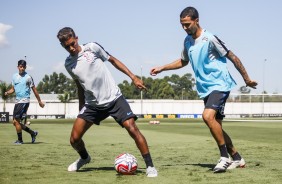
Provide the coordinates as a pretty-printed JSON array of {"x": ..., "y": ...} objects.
[{"x": 99, "y": 96}]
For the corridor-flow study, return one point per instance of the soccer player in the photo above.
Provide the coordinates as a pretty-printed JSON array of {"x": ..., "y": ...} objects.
[
  {"x": 99, "y": 96},
  {"x": 21, "y": 84},
  {"x": 207, "y": 55}
]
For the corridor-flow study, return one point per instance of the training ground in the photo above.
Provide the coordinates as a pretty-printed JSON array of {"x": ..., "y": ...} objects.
[{"x": 183, "y": 151}]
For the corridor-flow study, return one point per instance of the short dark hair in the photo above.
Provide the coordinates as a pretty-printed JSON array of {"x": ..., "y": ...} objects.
[
  {"x": 22, "y": 62},
  {"x": 189, "y": 12},
  {"x": 65, "y": 34}
]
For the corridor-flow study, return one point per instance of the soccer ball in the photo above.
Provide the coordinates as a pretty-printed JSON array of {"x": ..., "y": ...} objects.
[
  {"x": 28, "y": 123},
  {"x": 126, "y": 164}
]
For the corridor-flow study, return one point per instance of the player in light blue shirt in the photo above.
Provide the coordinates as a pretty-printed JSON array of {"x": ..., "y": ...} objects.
[
  {"x": 21, "y": 85},
  {"x": 208, "y": 56}
]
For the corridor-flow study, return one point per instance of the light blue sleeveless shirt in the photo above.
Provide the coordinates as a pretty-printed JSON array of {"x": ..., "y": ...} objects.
[
  {"x": 22, "y": 84},
  {"x": 207, "y": 57}
]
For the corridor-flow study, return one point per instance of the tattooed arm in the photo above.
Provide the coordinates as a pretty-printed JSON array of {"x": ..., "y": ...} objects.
[{"x": 239, "y": 66}]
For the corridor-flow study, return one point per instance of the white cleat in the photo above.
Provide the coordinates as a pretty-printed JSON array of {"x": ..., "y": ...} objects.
[
  {"x": 222, "y": 165},
  {"x": 151, "y": 172},
  {"x": 237, "y": 164},
  {"x": 78, "y": 164}
]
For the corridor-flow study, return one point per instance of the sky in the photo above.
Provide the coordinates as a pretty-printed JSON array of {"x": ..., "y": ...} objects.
[{"x": 141, "y": 34}]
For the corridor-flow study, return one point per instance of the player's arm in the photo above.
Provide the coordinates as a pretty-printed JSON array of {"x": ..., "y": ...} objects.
[
  {"x": 41, "y": 104},
  {"x": 81, "y": 97},
  {"x": 10, "y": 91},
  {"x": 121, "y": 67},
  {"x": 239, "y": 66},
  {"x": 179, "y": 63}
]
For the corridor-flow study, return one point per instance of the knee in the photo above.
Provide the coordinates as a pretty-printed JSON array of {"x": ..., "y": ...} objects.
[
  {"x": 207, "y": 118},
  {"x": 15, "y": 122},
  {"x": 74, "y": 139},
  {"x": 133, "y": 130}
]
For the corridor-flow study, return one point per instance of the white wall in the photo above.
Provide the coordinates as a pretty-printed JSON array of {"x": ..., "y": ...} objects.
[{"x": 156, "y": 107}]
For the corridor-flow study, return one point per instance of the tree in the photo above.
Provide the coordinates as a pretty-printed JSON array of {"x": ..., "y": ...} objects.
[
  {"x": 165, "y": 88},
  {"x": 65, "y": 98},
  {"x": 57, "y": 84},
  {"x": 3, "y": 88}
]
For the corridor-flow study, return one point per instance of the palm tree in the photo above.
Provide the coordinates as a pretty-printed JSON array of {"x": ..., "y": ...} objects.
[{"x": 3, "y": 88}]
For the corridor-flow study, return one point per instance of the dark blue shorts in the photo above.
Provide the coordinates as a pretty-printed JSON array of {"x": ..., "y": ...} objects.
[
  {"x": 20, "y": 109},
  {"x": 216, "y": 100},
  {"x": 119, "y": 110}
]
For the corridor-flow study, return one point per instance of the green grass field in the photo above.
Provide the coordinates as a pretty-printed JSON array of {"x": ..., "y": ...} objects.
[{"x": 183, "y": 151}]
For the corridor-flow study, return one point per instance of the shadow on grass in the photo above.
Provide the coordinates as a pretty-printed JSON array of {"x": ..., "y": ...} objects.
[
  {"x": 34, "y": 143},
  {"x": 104, "y": 169},
  {"x": 209, "y": 166}
]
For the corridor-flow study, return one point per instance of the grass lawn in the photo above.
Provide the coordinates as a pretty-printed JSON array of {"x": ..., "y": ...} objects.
[{"x": 183, "y": 151}]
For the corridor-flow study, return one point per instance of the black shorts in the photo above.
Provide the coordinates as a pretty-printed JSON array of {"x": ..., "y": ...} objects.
[
  {"x": 119, "y": 110},
  {"x": 20, "y": 109},
  {"x": 216, "y": 100}
]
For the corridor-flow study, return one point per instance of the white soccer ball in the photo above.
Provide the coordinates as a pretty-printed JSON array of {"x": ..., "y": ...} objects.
[
  {"x": 28, "y": 123},
  {"x": 126, "y": 164}
]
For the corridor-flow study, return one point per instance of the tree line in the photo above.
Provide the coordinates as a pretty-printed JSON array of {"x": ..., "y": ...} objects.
[{"x": 170, "y": 87}]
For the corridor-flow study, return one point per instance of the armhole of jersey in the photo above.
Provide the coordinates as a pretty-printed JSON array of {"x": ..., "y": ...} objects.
[{"x": 222, "y": 44}]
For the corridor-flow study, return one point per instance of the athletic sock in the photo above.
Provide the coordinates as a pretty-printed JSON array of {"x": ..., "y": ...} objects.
[
  {"x": 31, "y": 132},
  {"x": 83, "y": 154},
  {"x": 223, "y": 151},
  {"x": 148, "y": 160},
  {"x": 20, "y": 136},
  {"x": 236, "y": 156}
]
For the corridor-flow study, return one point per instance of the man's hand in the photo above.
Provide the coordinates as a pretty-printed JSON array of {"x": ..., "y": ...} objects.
[
  {"x": 41, "y": 104},
  {"x": 155, "y": 71},
  {"x": 139, "y": 83},
  {"x": 251, "y": 84}
]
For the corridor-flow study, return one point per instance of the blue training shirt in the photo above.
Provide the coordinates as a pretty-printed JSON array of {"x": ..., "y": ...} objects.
[
  {"x": 22, "y": 84},
  {"x": 207, "y": 57}
]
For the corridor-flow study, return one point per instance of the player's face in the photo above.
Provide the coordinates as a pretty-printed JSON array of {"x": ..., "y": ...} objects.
[
  {"x": 71, "y": 45},
  {"x": 190, "y": 26},
  {"x": 21, "y": 69}
]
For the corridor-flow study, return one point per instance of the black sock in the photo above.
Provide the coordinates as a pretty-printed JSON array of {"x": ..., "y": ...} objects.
[
  {"x": 28, "y": 130},
  {"x": 20, "y": 136},
  {"x": 236, "y": 156},
  {"x": 223, "y": 151},
  {"x": 83, "y": 154},
  {"x": 148, "y": 160}
]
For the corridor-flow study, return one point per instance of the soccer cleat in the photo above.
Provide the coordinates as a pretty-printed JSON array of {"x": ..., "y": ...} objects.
[
  {"x": 33, "y": 137},
  {"x": 222, "y": 165},
  {"x": 237, "y": 163},
  {"x": 151, "y": 172},
  {"x": 18, "y": 142},
  {"x": 79, "y": 163}
]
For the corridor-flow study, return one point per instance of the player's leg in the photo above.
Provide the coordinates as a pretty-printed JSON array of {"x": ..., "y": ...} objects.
[
  {"x": 212, "y": 116},
  {"x": 142, "y": 145},
  {"x": 124, "y": 116},
  {"x": 16, "y": 123},
  {"x": 79, "y": 128},
  {"x": 22, "y": 115},
  {"x": 237, "y": 160}
]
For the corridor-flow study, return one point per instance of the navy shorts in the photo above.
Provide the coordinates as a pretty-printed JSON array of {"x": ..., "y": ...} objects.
[
  {"x": 216, "y": 100},
  {"x": 119, "y": 110},
  {"x": 20, "y": 109}
]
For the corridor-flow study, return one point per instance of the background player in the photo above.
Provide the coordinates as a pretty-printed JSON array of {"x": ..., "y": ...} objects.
[{"x": 21, "y": 84}]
